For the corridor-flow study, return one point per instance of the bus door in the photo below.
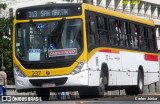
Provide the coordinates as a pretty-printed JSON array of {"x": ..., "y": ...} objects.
[{"x": 92, "y": 42}]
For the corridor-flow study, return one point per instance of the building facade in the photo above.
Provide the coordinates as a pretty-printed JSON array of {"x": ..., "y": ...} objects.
[
  {"x": 14, "y": 4},
  {"x": 149, "y": 9}
]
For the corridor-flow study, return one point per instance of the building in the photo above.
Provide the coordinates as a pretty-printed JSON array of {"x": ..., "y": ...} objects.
[
  {"x": 142, "y": 8},
  {"x": 14, "y": 4}
]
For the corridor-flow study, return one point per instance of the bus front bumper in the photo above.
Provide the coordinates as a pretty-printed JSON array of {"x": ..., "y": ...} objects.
[{"x": 26, "y": 83}]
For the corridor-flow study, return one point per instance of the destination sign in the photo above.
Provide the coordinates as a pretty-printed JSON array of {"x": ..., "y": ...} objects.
[{"x": 47, "y": 12}]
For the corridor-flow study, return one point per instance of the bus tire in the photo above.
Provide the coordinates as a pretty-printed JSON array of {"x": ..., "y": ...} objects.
[
  {"x": 43, "y": 93},
  {"x": 99, "y": 91},
  {"x": 138, "y": 89},
  {"x": 140, "y": 85},
  {"x": 84, "y": 93},
  {"x": 93, "y": 92}
]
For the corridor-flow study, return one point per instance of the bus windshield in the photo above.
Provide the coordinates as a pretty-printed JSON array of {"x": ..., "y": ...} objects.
[{"x": 49, "y": 40}]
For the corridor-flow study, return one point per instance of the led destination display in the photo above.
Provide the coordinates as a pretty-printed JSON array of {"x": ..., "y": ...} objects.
[{"x": 47, "y": 12}]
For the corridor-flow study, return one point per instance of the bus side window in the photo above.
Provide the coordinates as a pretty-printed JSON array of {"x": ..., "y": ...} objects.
[
  {"x": 150, "y": 39},
  {"x": 106, "y": 29},
  {"x": 154, "y": 39},
  {"x": 91, "y": 33},
  {"x": 101, "y": 30},
  {"x": 127, "y": 31},
  {"x": 112, "y": 31},
  {"x": 132, "y": 35},
  {"x": 136, "y": 37},
  {"x": 146, "y": 38},
  {"x": 100, "y": 23},
  {"x": 142, "y": 42},
  {"x": 122, "y": 33}
]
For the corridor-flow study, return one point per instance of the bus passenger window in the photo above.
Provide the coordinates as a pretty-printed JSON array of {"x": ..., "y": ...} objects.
[
  {"x": 91, "y": 33},
  {"x": 134, "y": 34},
  {"x": 112, "y": 31},
  {"x": 127, "y": 31},
  {"x": 141, "y": 43},
  {"x": 154, "y": 39},
  {"x": 101, "y": 30},
  {"x": 146, "y": 38},
  {"x": 123, "y": 36},
  {"x": 120, "y": 32},
  {"x": 106, "y": 29},
  {"x": 136, "y": 37},
  {"x": 150, "y": 39}
]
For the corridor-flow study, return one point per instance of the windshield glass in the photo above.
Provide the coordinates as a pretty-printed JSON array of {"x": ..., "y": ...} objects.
[{"x": 47, "y": 41}]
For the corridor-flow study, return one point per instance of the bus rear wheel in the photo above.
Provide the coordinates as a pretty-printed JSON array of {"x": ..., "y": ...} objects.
[
  {"x": 138, "y": 89},
  {"x": 43, "y": 93}
]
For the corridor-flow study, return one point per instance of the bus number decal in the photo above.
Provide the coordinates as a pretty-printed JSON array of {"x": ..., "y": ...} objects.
[{"x": 36, "y": 73}]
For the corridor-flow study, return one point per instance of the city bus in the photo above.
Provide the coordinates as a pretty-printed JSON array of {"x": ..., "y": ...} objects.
[{"x": 82, "y": 47}]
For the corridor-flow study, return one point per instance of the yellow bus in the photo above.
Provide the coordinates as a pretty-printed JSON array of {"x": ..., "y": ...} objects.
[{"x": 84, "y": 48}]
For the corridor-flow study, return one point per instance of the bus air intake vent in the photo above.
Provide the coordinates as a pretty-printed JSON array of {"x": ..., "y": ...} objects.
[{"x": 57, "y": 81}]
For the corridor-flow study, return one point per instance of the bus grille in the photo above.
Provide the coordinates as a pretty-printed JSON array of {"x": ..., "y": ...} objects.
[{"x": 57, "y": 81}]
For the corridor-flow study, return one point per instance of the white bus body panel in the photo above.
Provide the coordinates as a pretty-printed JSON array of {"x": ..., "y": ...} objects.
[{"x": 123, "y": 67}]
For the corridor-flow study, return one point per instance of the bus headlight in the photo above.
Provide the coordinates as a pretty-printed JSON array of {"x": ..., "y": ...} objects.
[
  {"x": 78, "y": 67},
  {"x": 18, "y": 72}
]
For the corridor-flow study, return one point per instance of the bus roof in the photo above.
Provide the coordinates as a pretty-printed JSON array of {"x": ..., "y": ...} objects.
[
  {"x": 117, "y": 14},
  {"x": 95, "y": 9}
]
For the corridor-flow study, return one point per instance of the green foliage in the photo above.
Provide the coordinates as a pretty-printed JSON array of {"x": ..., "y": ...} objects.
[
  {"x": 6, "y": 46},
  {"x": 3, "y": 5}
]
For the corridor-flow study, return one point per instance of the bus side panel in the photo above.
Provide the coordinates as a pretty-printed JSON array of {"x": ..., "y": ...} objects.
[
  {"x": 154, "y": 67},
  {"x": 131, "y": 62},
  {"x": 94, "y": 71},
  {"x": 153, "y": 72},
  {"x": 112, "y": 78},
  {"x": 152, "y": 77},
  {"x": 94, "y": 76},
  {"x": 113, "y": 62}
]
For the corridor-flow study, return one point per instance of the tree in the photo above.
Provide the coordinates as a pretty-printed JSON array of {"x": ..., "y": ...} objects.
[
  {"x": 3, "y": 5},
  {"x": 6, "y": 44}
]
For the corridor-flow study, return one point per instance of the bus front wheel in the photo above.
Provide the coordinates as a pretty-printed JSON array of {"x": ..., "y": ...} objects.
[
  {"x": 99, "y": 91},
  {"x": 43, "y": 93},
  {"x": 93, "y": 92}
]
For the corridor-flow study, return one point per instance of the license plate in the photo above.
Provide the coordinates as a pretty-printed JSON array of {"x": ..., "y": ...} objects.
[{"x": 46, "y": 85}]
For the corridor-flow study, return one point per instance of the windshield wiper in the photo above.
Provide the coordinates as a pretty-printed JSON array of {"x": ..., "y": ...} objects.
[{"x": 58, "y": 29}]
